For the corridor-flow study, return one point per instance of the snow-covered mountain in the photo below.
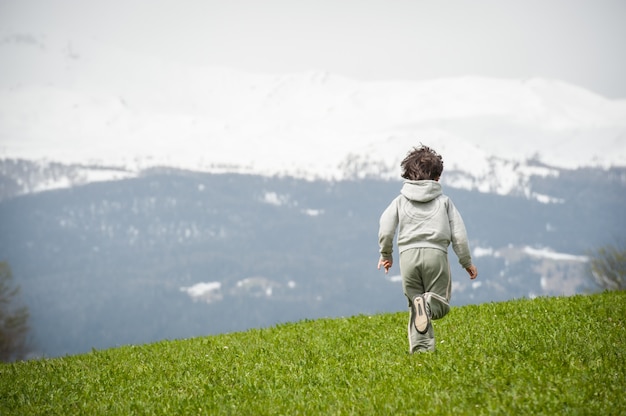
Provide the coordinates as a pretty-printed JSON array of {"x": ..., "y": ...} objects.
[{"x": 80, "y": 101}]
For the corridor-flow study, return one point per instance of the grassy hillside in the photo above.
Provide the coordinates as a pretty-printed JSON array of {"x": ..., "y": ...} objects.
[{"x": 541, "y": 356}]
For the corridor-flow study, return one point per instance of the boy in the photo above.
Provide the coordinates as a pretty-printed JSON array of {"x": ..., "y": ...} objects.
[{"x": 427, "y": 222}]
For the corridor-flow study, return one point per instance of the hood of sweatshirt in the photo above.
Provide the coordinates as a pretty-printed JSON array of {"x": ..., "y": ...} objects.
[{"x": 421, "y": 191}]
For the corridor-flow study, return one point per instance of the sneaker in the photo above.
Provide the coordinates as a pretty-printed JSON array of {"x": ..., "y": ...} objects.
[{"x": 421, "y": 315}]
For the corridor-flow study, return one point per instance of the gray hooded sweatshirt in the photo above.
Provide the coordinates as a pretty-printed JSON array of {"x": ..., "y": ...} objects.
[{"x": 425, "y": 218}]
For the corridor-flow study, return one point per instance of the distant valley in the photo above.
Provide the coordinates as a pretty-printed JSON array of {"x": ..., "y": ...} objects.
[{"x": 175, "y": 254}]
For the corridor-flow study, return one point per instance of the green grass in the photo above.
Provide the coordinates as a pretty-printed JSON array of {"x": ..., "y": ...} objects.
[{"x": 543, "y": 356}]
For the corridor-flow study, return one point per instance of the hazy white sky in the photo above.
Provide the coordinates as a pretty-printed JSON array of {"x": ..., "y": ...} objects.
[{"x": 581, "y": 42}]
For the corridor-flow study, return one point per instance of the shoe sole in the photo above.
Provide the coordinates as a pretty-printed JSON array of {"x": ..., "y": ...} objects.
[{"x": 421, "y": 317}]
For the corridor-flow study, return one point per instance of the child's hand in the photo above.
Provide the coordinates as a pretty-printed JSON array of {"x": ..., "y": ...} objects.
[
  {"x": 385, "y": 263},
  {"x": 473, "y": 271}
]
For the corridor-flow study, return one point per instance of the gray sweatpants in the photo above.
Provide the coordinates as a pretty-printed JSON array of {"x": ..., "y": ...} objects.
[{"x": 425, "y": 271}]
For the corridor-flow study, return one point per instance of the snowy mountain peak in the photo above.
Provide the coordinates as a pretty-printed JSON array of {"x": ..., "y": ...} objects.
[{"x": 78, "y": 101}]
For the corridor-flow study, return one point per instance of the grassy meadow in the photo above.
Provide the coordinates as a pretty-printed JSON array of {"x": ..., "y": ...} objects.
[{"x": 564, "y": 355}]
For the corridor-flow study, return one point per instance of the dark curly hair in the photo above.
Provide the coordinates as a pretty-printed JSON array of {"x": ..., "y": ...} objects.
[{"x": 422, "y": 163}]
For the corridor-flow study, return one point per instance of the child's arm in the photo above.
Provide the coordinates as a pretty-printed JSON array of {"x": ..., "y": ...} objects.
[
  {"x": 458, "y": 236},
  {"x": 386, "y": 232},
  {"x": 460, "y": 244}
]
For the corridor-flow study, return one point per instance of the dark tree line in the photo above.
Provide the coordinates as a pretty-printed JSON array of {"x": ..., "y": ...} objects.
[{"x": 13, "y": 319}]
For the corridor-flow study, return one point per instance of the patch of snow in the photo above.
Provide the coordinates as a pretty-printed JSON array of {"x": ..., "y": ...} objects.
[
  {"x": 205, "y": 291},
  {"x": 549, "y": 254},
  {"x": 395, "y": 278},
  {"x": 546, "y": 199},
  {"x": 313, "y": 212},
  {"x": 273, "y": 198},
  {"x": 256, "y": 287},
  {"x": 483, "y": 251},
  {"x": 102, "y": 175}
]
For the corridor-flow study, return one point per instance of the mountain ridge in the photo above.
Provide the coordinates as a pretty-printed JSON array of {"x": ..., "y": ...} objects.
[{"x": 84, "y": 102}]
